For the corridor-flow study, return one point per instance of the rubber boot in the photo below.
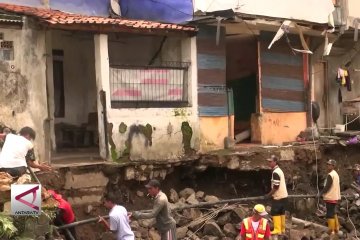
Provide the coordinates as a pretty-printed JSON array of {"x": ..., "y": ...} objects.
[
  {"x": 283, "y": 224},
  {"x": 277, "y": 225},
  {"x": 337, "y": 225},
  {"x": 331, "y": 225}
]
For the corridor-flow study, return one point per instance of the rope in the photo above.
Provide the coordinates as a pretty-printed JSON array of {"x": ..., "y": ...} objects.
[
  {"x": 317, "y": 168},
  {"x": 348, "y": 215},
  {"x": 204, "y": 219}
]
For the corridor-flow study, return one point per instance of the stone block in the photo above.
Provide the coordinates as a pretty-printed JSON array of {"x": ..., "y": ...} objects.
[{"x": 85, "y": 180}]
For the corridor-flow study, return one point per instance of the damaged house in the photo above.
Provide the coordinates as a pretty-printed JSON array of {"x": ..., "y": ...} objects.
[
  {"x": 111, "y": 88},
  {"x": 258, "y": 67},
  {"x": 102, "y": 88}
]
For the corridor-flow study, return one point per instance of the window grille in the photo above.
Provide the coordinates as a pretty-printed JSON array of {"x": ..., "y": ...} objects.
[{"x": 164, "y": 85}]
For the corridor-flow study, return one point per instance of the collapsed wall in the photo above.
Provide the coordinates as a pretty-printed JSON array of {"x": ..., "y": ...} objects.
[{"x": 224, "y": 175}]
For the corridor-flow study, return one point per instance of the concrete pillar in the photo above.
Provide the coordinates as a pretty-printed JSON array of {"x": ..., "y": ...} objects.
[
  {"x": 50, "y": 140},
  {"x": 189, "y": 54},
  {"x": 102, "y": 84}
]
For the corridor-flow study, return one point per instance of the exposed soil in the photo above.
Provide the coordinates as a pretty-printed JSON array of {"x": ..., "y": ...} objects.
[{"x": 301, "y": 175}]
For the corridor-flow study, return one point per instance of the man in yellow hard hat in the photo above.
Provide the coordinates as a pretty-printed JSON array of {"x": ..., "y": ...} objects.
[
  {"x": 256, "y": 226},
  {"x": 279, "y": 196},
  {"x": 331, "y": 195}
]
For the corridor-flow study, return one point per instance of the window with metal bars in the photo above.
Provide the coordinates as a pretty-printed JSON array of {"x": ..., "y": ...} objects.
[{"x": 163, "y": 85}]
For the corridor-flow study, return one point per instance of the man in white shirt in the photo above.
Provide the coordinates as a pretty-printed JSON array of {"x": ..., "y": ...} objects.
[
  {"x": 17, "y": 153},
  {"x": 119, "y": 220}
]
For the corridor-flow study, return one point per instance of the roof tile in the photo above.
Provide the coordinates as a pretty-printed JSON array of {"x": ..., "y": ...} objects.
[{"x": 53, "y": 17}]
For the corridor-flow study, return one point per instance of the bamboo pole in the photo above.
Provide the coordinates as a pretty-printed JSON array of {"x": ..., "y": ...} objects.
[{"x": 199, "y": 205}]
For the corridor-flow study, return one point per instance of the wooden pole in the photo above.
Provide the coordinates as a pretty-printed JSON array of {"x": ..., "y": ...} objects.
[{"x": 199, "y": 205}]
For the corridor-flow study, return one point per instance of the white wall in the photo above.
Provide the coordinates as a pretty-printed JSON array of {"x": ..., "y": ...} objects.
[
  {"x": 166, "y": 122},
  {"x": 79, "y": 75},
  {"x": 125, "y": 49},
  {"x": 23, "y": 100}
]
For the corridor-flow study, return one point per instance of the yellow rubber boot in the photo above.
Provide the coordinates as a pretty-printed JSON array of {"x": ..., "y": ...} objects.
[
  {"x": 283, "y": 224},
  {"x": 331, "y": 225},
  {"x": 337, "y": 225},
  {"x": 277, "y": 225}
]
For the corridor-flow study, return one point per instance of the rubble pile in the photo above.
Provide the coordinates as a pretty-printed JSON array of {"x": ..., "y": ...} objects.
[{"x": 223, "y": 222}]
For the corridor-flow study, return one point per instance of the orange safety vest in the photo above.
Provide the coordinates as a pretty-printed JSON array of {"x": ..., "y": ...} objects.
[{"x": 249, "y": 231}]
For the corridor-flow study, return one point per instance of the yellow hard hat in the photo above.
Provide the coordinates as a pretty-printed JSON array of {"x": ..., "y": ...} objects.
[{"x": 260, "y": 209}]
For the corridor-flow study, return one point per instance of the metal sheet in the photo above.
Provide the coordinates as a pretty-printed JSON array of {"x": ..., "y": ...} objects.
[
  {"x": 283, "y": 94},
  {"x": 275, "y": 82},
  {"x": 316, "y": 11},
  {"x": 282, "y": 77},
  {"x": 208, "y": 61},
  {"x": 280, "y": 58},
  {"x": 276, "y": 105},
  {"x": 210, "y": 111},
  {"x": 211, "y": 58}
]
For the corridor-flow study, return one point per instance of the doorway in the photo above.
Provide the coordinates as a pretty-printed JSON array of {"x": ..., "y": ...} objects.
[
  {"x": 241, "y": 77},
  {"x": 75, "y": 97}
]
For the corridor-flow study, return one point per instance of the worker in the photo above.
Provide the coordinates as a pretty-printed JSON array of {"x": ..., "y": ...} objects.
[
  {"x": 256, "y": 227},
  {"x": 165, "y": 223},
  {"x": 118, "y": 218},
  {"x": 331, "y": 195},
  {"x": 279, "y": 196},
  {"x": 64, "y": 212},
  {"x": 5, "y": 132},
  {"x": 17, "y": 153},
  {"x": 357, "y": 174}
]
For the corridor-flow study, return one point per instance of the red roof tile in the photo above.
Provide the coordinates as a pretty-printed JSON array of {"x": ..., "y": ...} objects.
[{"x": 55, "y": 17}]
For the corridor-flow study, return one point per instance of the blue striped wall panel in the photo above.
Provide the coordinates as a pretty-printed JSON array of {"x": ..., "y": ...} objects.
[
  {"x": 281, "y": 83},
  {"x": 208, "y": 111},
  {"x": 280, "y": 58},
  {"x": 207, "y": 61},
  {"x": 282, "y": 105},
  {"x": 213, "y": 89},
  {"x": 211, "y": 62}
]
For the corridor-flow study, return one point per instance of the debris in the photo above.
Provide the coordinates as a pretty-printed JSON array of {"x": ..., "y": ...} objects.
[
  {"x": 173, "y": 197},
  {"x": 211, "y": 199},
  {"x": 181, "y": 232},
  {"x": 192, "y": 199},
  {"x": 212, "y": 229},
  {"x": 200, "y": 195},
  {"x": 89, "y": 209},
  {"x": 140, "y": 194},
  {"x": 154, "y": 235},
  {"x": 230, "y": 230},
  {"x": 185, "y": 193}
]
